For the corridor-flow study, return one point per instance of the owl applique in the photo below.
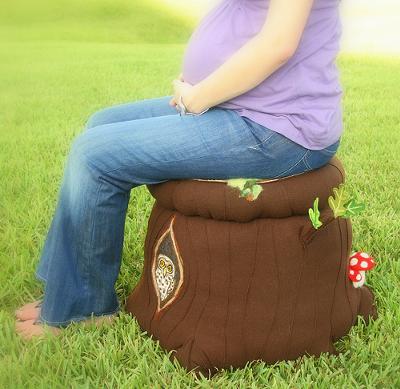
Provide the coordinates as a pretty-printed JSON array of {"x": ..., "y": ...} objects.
[
  {"x": 167, "y": 269},
  {"x": 165, "y": 276}
]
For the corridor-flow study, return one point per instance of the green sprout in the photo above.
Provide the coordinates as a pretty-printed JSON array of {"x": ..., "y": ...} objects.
[
  {"x": 337, "y": 201},
  {"x": 340, "y": 204},
  {"x": 314, "y": 215}
]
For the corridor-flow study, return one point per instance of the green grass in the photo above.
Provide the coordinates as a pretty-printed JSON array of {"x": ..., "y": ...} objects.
[{"x": 56, "y": 68}]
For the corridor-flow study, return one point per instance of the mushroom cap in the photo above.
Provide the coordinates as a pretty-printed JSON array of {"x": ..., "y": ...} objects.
[{"x": 361, "y": 261}]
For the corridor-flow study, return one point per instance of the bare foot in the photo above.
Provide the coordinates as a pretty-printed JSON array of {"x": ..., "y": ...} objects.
[
  {"x": 28, "y": 329},
  {"x": 29, "y": 311}
]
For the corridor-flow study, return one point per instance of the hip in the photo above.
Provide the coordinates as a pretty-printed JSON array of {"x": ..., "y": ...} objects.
[{"x": 277, "y": 156}]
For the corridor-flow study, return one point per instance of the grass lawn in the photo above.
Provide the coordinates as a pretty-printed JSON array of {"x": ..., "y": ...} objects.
[{"x": 58, "y": 64}]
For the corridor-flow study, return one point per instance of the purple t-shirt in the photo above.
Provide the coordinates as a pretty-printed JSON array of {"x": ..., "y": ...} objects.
[{"x": 302, "y": 99}]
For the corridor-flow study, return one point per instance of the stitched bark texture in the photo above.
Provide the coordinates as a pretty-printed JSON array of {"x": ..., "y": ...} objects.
[{"x": 227, "y": 281}]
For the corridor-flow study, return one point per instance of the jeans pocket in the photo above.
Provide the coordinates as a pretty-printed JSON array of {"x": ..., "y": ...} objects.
[
  {"x": 295, "y": 167},
  {"x": 259, "y": 142},
  {"x": 260, "y": 134}
]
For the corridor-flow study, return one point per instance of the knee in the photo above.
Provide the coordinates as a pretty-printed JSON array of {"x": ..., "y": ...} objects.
[
  {"x": 98, "y": 118},
  {"x": 86, "y": 151}
]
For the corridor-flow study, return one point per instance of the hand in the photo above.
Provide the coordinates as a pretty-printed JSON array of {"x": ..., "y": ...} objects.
[
  {"x": 189, "y": 96},
  {"x": 172, "y": 102}
]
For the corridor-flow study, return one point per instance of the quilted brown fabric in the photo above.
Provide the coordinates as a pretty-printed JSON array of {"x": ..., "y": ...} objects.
[{"x": 227, "y": 281}]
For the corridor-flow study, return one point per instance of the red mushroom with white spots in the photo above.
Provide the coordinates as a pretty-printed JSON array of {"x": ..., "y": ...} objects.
[{"x": 359, "y": 263}]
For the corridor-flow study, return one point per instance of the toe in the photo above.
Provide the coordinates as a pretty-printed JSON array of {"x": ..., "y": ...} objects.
[
  {"x": 28, "y": 314},
  {"x": 28, "y": 311},
  {"x": 31, "y": 329},
  {"x": 22, "y": 325},
  {"x": 22, "y": 328},
  {"x": 28, "y": 329}
]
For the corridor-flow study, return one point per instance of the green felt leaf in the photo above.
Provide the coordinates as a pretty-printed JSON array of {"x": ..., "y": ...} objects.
[
  {"x": 353, "y": 208},
  {"x": 337, "y": 201},
  {"x": 237, "y": 183},
  {"x": 250, "y": 182},
  {"x": 248, "y": 187},
  {"x": 314, "y": 214},
  {"x": 245, "y": 192},
  {"x": 257, "y": 189}
]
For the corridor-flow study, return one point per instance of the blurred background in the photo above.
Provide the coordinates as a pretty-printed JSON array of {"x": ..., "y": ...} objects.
[{"x": 369, "y": 26}]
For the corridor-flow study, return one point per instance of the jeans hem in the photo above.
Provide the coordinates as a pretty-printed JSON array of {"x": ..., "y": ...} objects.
[
  {"x": 41, "y": 320},
  {"x": 40, "y": 278}
]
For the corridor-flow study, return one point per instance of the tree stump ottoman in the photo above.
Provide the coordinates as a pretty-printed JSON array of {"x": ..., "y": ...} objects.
[{"x": 227, "y": 281}]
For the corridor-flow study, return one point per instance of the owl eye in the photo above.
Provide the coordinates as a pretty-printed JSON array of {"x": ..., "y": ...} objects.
[
  {"x": 162, "y": 263},
  {"x": 169, "y": 269}
]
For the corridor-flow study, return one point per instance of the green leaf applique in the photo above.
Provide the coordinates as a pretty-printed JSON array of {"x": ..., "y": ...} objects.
[
  {"x": 338, "y": 201},
  {"x": 237, "y": 183},
  {"x": 314, "y": 215},
  {"x": 257, "y": 189},
  {"x": 353, "y": 208},
  {"x": 342, "y": 205},
  {"x": 248, "y": 187}
]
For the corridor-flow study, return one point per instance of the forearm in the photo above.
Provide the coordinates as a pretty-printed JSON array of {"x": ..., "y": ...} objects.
[{"x": 251, "y": 64}]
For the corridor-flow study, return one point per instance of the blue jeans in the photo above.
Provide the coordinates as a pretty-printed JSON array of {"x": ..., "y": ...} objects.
[{"x": 125, "y": 146}]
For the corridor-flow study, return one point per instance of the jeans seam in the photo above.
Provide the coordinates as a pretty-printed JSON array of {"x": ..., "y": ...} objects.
[
  {"x": 305, "y": 160},
  {"x": 256, "y": 146},
  {"x": 41, "y": 278},
  {"x": 299, "y": 161}
]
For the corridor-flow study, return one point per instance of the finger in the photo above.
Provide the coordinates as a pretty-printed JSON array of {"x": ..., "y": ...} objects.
[{"x": 173, "y": 102}]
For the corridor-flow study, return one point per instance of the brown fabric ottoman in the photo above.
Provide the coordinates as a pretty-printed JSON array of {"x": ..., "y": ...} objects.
[{"x": 227, "y": 281}]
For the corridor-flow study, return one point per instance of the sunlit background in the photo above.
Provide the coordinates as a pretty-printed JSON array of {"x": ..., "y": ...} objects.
[{"x": 370, "y": 26}]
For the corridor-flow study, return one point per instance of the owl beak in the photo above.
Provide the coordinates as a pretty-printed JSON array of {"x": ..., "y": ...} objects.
[{"x": 165, "y": 271}]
